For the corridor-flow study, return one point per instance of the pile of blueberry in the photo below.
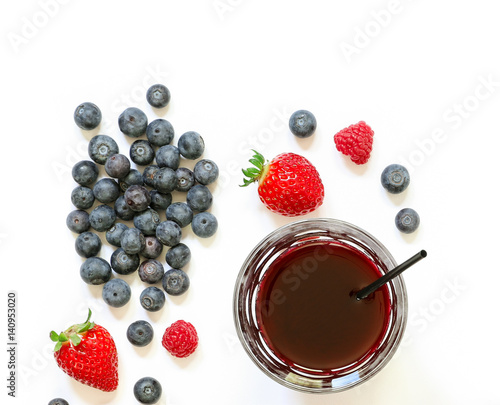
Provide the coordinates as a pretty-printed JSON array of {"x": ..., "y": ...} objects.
[{"x": 129, "y": 201}]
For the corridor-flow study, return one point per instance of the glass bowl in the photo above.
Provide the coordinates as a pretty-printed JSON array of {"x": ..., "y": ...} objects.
[{"x": 249, "y": 281}]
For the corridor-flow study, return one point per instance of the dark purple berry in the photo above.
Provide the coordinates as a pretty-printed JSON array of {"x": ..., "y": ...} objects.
[
  {"x": 137, "y": 198},
  {"x": 151, "y": 271}
]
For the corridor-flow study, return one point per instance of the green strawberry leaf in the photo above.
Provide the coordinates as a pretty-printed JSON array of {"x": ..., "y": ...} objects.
[
  {"x": 72, "y": 333},
  {"x": 254, "y": 173},
  {"x": 257, "y": 163},
  {"x": 86, "y": 326},
  {"x": 250, "y": 172},
  {"x": 75, "y": 339},
  {"x": 246, "y": 182},
  {"x": 258, "y": 156}
]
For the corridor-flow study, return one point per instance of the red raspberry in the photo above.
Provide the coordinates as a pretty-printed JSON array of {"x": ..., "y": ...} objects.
[
  {"x": 180, "y": 339},
  {"x": 356, "y": 142}
]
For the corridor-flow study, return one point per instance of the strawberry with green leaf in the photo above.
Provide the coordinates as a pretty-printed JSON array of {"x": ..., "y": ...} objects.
[
  {"x": 87, "y": 352},
  {"x": 288, "y": 185}
]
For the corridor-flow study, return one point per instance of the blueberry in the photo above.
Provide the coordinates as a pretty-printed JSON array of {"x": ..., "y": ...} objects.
[
  {"x": 148, "y": 175},
  {"x": 132, "y": 241},
  {"x": 106, "y": 190},
  {"x": 140, "y": 333},
  {"x": 85, "y": 172},
  {"x": 152, "y": 299},
  {"x": 114, "y": 234},
  {"x": 395, "y": 178},
  {"x": 88, "y": 244},
  {"x": 160, "y": 201},
  {"x": 133, "y": 178},
  {"x": 122, "y": 209},
  {"x": 204, "y": 224},
  {"x": 142, "y": 153},
  {"x": 58, "y": 401},
  {"x": 178, "y": 256},
  {"x": 147, "y": 390},
  {"x": 175, "y": 282},
  {"x": 185, "y": 179},
  {"x": 87, "y": 116},
  {"x": 116, "y": 293},
  {"x": 407, "y": 220},
  {"x": 165, "y": 180},
  {"x": 133, "y": 122},
  {"x": 101, "y": 147},
  {"x": 199, "y": 198},
  {"x": 95, "y": 271},
  {"x": 151, "y": 271},
  {"x": 137, "y": 198},
  {"x": 153, "y": 248},
  {"x": 78, "y": 221},
  {"x": 82, "y": 197},
  {"x": 160, "y": 132},
  {"x": 180, "y": 213},
  {"x": 158, "y": 95},
  {"x": 168, "y": 156},
  {"x": 302, "y": 123},
  {"x": 206, "y": 171},
  {"x": 123, "y": 263},
  {"x": 117, "y": 166},
  {"x": 191, "y": 145},
  {"x": 169, "y": 233},
  {"x": 147, "y": 221},
  {"x": 102, "y": 218}
]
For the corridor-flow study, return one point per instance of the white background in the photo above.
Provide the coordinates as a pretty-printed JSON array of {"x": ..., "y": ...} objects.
[{"x": 415, "y": 71}]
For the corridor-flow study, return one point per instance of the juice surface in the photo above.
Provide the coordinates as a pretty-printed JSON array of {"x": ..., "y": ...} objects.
[{"x": 307, "y": 311}]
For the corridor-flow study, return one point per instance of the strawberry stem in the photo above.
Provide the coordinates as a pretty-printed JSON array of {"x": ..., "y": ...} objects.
[
  {"x": 254, "y": 173},
  {"x": 72, "y": 333}
]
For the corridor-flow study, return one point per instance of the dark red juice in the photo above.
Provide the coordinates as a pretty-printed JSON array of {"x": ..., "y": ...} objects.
[{"x": 308, "y": 313}]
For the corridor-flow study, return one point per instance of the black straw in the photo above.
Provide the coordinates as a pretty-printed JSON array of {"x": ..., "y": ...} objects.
[{"x": 396, "y": 271}]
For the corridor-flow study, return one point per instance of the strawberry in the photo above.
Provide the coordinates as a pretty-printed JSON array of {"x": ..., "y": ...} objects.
[
  {"x": 87, "y": 353},
  {"x": 289, "y": 185},
  {"x": 356, "y": 142}
]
